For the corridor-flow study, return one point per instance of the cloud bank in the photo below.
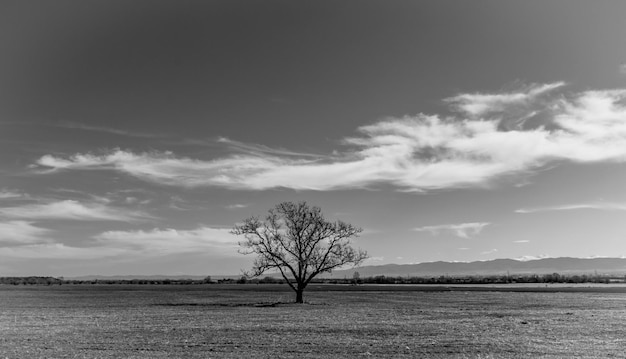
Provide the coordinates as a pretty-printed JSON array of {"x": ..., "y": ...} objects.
[
  {"x": 117, "y": 244},
  {"x": 489, "y": 137},
  {"x": 10, "y": 194},
  {"x": 19, "y": 224},
  {"x": 21, "y": 232},
  {"x": 462, "y": 230},
  {"x": 168, "y": 241}
]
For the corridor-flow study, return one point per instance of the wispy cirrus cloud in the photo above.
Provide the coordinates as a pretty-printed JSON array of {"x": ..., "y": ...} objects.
[
  {"x": 252, "y": 149},
  {"x": 85, "y": 127},
  {"x": 258, "y": 149},
  {"x": 115, "y": 131},
  {"x": 603, "y": 206},
  {"x": 412, "y": 153},
  {"x": 72, "y": 210},
  {"x": 462, "y": 230}
]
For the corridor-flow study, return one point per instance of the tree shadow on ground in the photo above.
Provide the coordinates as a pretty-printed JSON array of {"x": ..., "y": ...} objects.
[{"x": 238, "y": 304}]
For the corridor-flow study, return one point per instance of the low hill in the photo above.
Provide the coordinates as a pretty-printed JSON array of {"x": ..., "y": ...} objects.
[{"x": 564, "y": 265}]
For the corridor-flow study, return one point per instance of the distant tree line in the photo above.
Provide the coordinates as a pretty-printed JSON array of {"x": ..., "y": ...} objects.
[
  {"x": 52, "y": 280},
  {"x": 31, "y": 280},
  {"x": 355, "y": 280},
  {"x": 492, "y": 279}
]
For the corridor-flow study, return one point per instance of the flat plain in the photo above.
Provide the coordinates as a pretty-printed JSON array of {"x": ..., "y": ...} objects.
[{"x": 258, "y": 321}]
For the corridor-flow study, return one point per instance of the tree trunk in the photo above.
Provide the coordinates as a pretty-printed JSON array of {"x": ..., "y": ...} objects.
[{"x": 299, "y": 292}]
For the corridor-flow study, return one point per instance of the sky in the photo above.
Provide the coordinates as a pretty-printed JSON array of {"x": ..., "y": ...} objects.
[{"x": 135, "y": 135}]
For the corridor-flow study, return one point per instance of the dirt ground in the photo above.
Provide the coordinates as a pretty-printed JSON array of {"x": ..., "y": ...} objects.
[{"x": 257, "y": 321}]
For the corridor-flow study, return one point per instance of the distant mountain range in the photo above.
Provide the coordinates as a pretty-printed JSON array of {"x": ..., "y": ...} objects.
[
  {"x": 497, "y": 266},
  {"x": 563, "y": 265}
]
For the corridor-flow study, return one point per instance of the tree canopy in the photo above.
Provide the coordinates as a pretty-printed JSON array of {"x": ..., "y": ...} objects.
[{"x": 296, "y": 240}]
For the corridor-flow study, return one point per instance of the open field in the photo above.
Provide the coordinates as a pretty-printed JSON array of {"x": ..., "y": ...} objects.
[{"x": 256, "y": 321}]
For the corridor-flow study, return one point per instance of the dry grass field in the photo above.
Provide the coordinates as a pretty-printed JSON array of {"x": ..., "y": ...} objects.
[{"x": 256, "y": 321}]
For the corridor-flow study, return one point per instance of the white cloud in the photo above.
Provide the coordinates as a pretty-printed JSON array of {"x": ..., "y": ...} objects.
[
  {"x": 237, "y": 206},
  {"x": 72, "y": 210},
  {"x": 478, "y": 104},
  {"x": 21, "y": 232},
  {"x": 81, "y": 126},
  {"x": 164, "y": 168},
  {"x": 413, "y": 153},
  {"x": 10, "y": 194},
  {"x": 491, "y": 251},
  {"x": 532, "y": 258},
  {"x": 257, "y": 149},
  {"x": 168, "y": 241},
  {"x": 129, "y": 244},
  {"x": 605, "y": 206},
  {"x": 522, "y": 241},
  {"x": 135, "y": 200},
  {"x": 463, "y": 230},
  {"x": 60, "y": 251}
]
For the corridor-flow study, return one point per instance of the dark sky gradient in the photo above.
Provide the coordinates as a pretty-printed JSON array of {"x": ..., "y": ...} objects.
[
  {"x": 245, "y": 69},
  {"x": 82, "y": 77}
]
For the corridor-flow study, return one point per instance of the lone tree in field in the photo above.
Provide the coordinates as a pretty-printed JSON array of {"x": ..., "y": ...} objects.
[{"x": 298, "y": 241}]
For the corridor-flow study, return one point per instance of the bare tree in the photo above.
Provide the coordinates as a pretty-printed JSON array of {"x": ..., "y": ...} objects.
[{"x": 299, "y": 242}]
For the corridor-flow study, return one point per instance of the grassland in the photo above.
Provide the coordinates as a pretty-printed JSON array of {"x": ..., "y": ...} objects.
[{"x": 257, "y": 321}]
